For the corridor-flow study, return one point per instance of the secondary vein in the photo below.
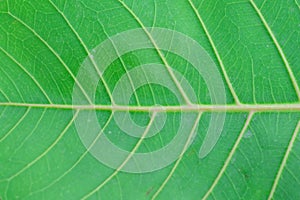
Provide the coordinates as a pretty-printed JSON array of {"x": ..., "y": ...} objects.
[
  {"x": 284, "y": 160},
  {"x": 126, "y": 160},
  {"x": 180, "y": 157},
  {"x": 229, "y": 156},
  {"x": 280, "y": 51},
  {"x": 236, "y": 99},
  {"x": 184, "y": 95}
]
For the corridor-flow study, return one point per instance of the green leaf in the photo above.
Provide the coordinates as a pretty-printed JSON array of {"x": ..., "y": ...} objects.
[{"x": 235, "y": 119}]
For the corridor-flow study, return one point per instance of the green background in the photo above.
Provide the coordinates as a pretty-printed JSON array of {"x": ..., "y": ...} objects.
[{"x": 253, "y": 43}]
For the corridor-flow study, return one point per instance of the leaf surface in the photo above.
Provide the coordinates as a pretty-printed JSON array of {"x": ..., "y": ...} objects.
[{"x": 255, "y": 47}]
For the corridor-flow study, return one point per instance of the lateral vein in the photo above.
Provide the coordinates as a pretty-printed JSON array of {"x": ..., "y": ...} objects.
[
  {"x": 85, "y": 48},
  {"x": 126, "y": 160},
  {"x": 47, "y": 150},
  {"x": 229, "y": 156},
  {"x": 168, "y": 68},
  {"x": 280, "y": 51},
  {"x": 236, "y": 99},
  {"x": 284, "y": 160},
  {"x": 179, "y": 159},
  {"x": 54, "y": 53}
]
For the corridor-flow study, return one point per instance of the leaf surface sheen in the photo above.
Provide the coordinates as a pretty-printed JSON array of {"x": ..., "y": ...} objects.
[{"x": 254, "y": 44}]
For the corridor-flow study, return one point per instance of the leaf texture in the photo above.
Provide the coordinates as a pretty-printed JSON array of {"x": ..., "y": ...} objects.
[{"x": 255, "y": 47}]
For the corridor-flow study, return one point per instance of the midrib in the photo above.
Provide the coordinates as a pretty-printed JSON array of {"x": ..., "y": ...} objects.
[{"x": 176, "y": 108}]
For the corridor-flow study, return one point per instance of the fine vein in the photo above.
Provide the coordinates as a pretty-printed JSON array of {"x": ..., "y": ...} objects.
[
  {"x": 287, "y": 65},
  {"x": 16, "y": 125},
  {"x": 169, "y": 69},
  {"x": 79, "y": 159},
  {"x": 179, "y": 158},
  {"x": 284, "y": 160},
  {"x": 229, "y": 156},
  {"x": 55, "y": 53},
  {"x": 47, "y": 150},
  {"x": 236, "y": 99},
  {"x": 126, "y": 160},
  {"x": 86, "y": 49},
  {"x": 28, "y": 73}
]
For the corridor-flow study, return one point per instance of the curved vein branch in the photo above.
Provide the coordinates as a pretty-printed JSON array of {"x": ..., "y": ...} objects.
[
  {"x": 280, "y": 51},
  {"x": 179, "y": 158},
  {"x": 16, "y": 125},
  {"x": 28, "y": 73},
  {"x": 86, "y": 50},
  {"x": 169, "y": 69},
  {"x": 47, "y": 150},
  {"x": 236, "y": 99},
  {"x": 284, "y": 160},
  {"x": 126, "y": 160},
  {"x": 229, "y": 156},
  {"x": 79, "y": 159},
  {"x": 54, "y": 53}
]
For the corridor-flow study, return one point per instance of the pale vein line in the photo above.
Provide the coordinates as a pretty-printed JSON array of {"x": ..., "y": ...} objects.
[
  {"x": 284, "y": 160},
  {"x": 178, "y": 108},
  {"x": 54, "y": 52},
  {"x": 5, "y": 95},
  {"x": 253, "y": 77},
  {"x": 78, "y": 161},
  {"x": 236, "y": 99},
  {"x": 169, "y": 69},
  {"x": 86, "y": 50},
  {"x": 292, "y": 174},
  {"x": 123, "y": 64},
  {"x": 6, "y": 190},
  {"x": 7, "y": 3},
  {"x": 179, "y": 158},
  {"x": 297, "y": 3},
  {"x": 15, "y": 126},
  {"x": 229, "y": 156},
  {"x": 3, "y": 112},
  {"x": 155, "y": 14},
  {"x": 37, "y": 124},
  {"x": 28, "y": 73},
  {"x": 126, "y": 160},
  {"x": 233, "y": 185},
  {"x": 13, "y": 83},
  {"x": 287, "y": 65},
  {"x": 47, "y": 150}
]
